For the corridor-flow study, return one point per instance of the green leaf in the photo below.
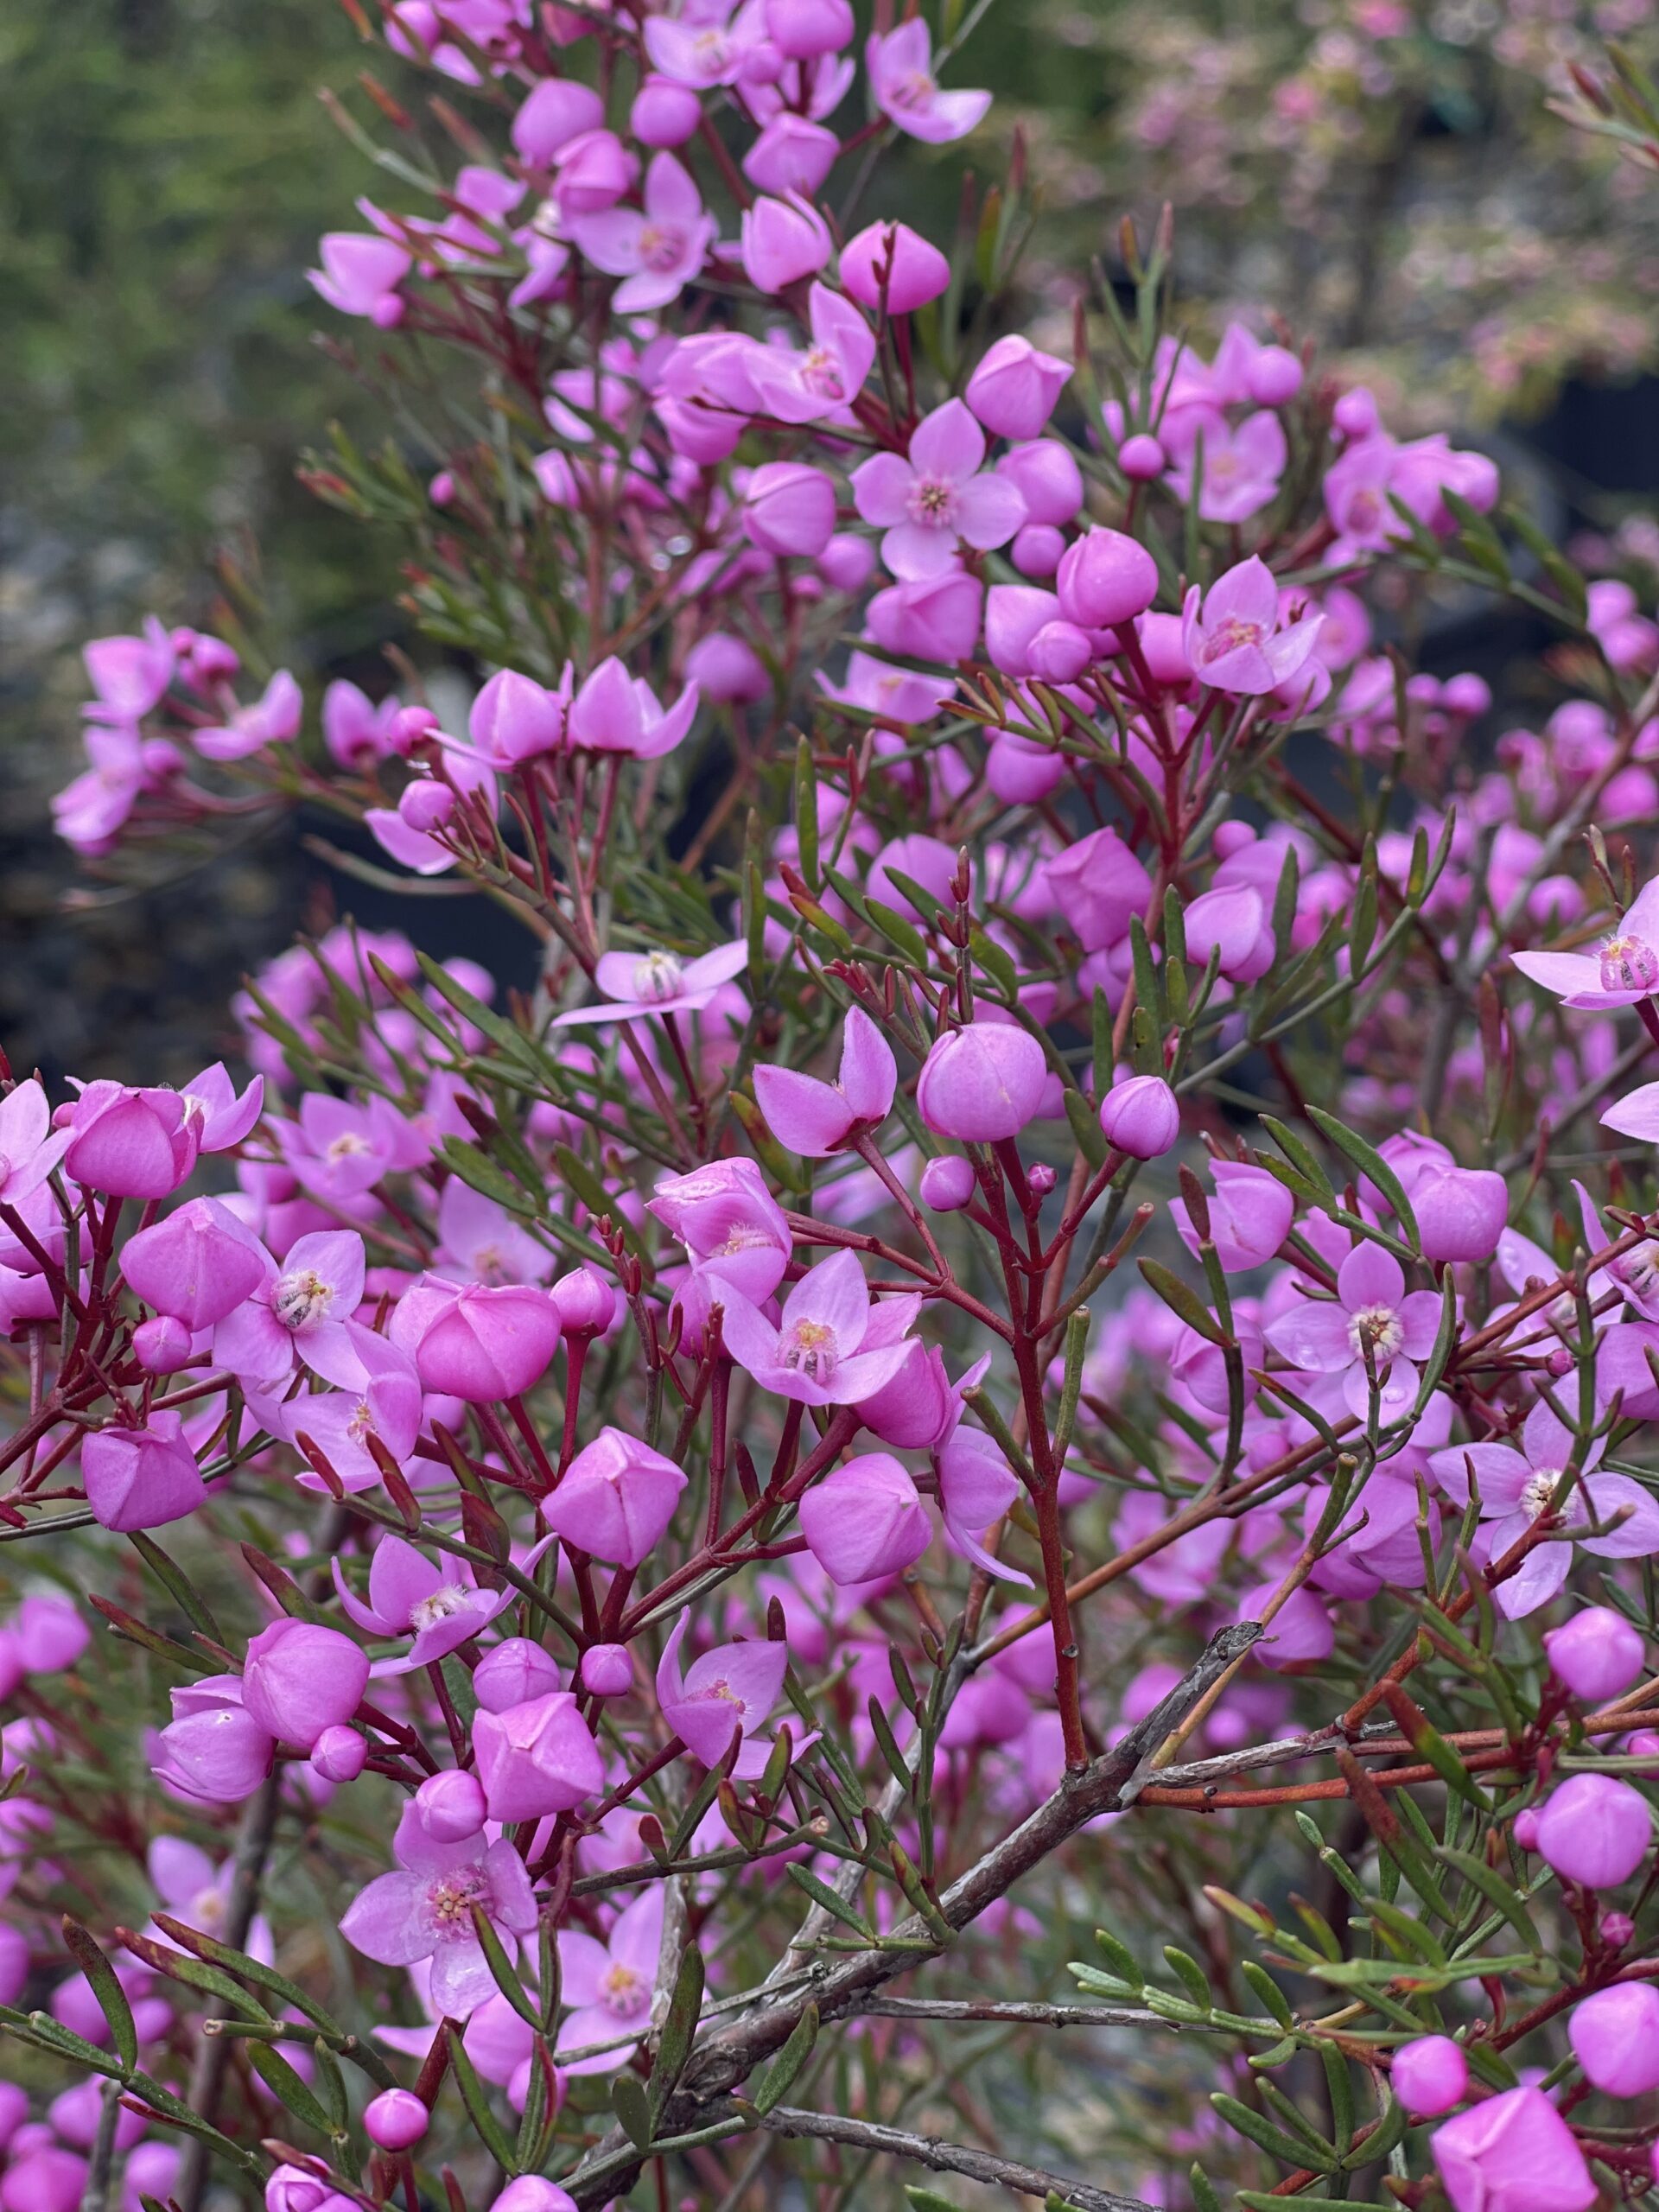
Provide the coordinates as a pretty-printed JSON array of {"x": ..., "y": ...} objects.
[
  {"x": 1302, "y": 1157},
  {"x": 1267, "y": 1990},
  {"x": 1251, "y": 2126},
  {"x": 1119, "y": 1957},
  {"x": 287, "y": 2088},
  {"x": 192, "y": 1606},
  {"x": 1086, "y": 1128},
  {"x": 1182, "y": 1300},
  {"x": 476, "y": 2098},
  {"x": 501, "y": 1967},
  {"x": 112, "y": 1997},
  {"x": 1192, "y": 1975},
  {"x": 928, "y": 2200},
  {"x": 838, "y": 1908},
  {"x": 1340, "y": 2088},
  {"x": 633, "y": 2108},
  {"x": 897, "y": 931},
  {"x": 775, "y": 2078},
  {"x": 806, "y": 815},
  {"x": 1497, "y": 1891},
  {"x": 1205, "y": 2198},
  {"x": 480, "y": 1173},
  {"x": 679, "y": 2029}
]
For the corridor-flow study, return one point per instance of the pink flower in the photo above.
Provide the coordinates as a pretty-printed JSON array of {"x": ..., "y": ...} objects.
[
  {"x": 514, "y": 718},
  {"x": 614, "y": 712},
  {"x": 982, "y": 1082},
  {"x": 479, "y": 1241},
  {"x": 273, "y": 719},
  {"x": 537, "y": 1759},
  {"x": 130, "y": 675},
  {"x": 557, "y": 109},
  {"x": 298, "y": 1313},
  {"x": 1372, "y": 1326},
  {"x": 141, "y": 1478},
  {"x": 132, "y": 1144},
  {"x": 1231, "y": 636},
  {"x": 213, "y": 1749},
  {"x": 337, "y": 1151},
  {"x": 976, "y": 1487},
  {"x": 783, "y": 240},
  {"x": 1013, "y": 389},
  {"x": 727, "y": 1218},
  {"x": 816, "y": 1119},
  {"x": 615, "y": 1498},
  {"x": 378, "y": 1400},
  {"x": 938, "y": 496},
  {"x": 1625, "y": 969},
  {"x": 1250, "y": 1214},
  {"x": 822, "y": 379},
  {"x": 865, "y": 1519},
  {"x": 734, "y": 1685},
  {"x": 657, "y": 252},
  {"x": 1230, "y": 924},
  {"x": 705, "y": 49},
  {"x": 220, "y": 1114},
  {"x": 29, "y": 1147},
  {"x": 300, "y": 1679},
  {"x": 361, "y": 275},
  {"x": 640, "y": 983},
  {"x": 425, "y": 1911},
  {"x": 789, "y": 508},
  {"x": 440, "y": 1606},
  {"x": 1241, "y": 466},
  {"x": 830, "y": 1348},
  {"x": 481, "y": 1341},
  {"x": 1513, "y": 2153},
  {"x": 892, "y": 262},
  {"x": 1099, "y": 887},
  {"x": 902, "y": 86},
  {"x": 610, "y": 1985}
]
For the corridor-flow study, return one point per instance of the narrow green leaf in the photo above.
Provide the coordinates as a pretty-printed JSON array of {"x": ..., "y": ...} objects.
[
  {"x": 112, "y": 1997},
  {"x": 476, "y": 2098},
  {"x": 1370, "y": 1163},
  {"x": 773, "y": 2082},
  {"x": 633, "y": 2108},
  {"x": 1251, "y": 2126},
  {"x": 679, "y": 2029},
  {"x": 1182, "y": 1298}
]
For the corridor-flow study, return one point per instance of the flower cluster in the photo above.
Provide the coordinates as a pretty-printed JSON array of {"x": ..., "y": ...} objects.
[{"x": 1011, "y": 1265}]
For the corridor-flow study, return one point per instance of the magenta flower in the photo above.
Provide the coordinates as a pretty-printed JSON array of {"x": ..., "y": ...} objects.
[
  {"x": 1624, "y": 970},
  {"x": 515, "y": 719},
  {"x": 220, "y": 1114},
  {"x": 537, "y": 1759},
  {"x": 1250, "y": 1214},
  {"x": 890, "y": 261},
  {"x": 1372, "y": 1320},
  {"x": 1230, "y": 633},
  {"x": 479, "y": 1241},
  {"x": 705, "y": 49},
  {"x": 783, "y": 240},
  {"x": 865, "y": 1519},
  {"x": 983, "y": 1083},
  {"x": 272, "y": 719},
  {"x": 941, "y": 495},
  {"x": 337, "y": 1150},
  {"x": 141, "y": 1478},
  {"x": 976, "y": 1487},
  {"x": 1513, "y": 2153},
  {"x": 89, "y": 811},
  {"x": 1241, "y": 468},
  {"x": 213, "y": 1749},
  {"x": 640, "y": 983},
  {"x": 425, "y": 1911},
  {"x": 409, "y": 1594},
  {"x": 610, "y": 1985},
  {"x": 830, "y": 1348},
  {"x": 298, "y": 1314},
  {"x": 29, "y": 1147},
  {"x": 822, "y": 379},
  {"x": 379, "y": 1398},
  {"x": 614, "y": 712},
  {"x": 361, "y": 275},
  {"x": 902, "y": 86},
  {"x": 655, "y": 253},
  {"x": 1516, "y": 1485},
  {"x": 195, "y": 1890},
  {"x": 132, "y": 1144},
  {"x": 896, "y": 694},
  {"x": 476, "y": 1341},
  {"x": 130, "y": 675},
  {"x": 816, "y": 1119},
  {"x": 730, "y": 1224},
  {"x": 731, "y": 1687},
  {"x": 615, "y": 1498}
]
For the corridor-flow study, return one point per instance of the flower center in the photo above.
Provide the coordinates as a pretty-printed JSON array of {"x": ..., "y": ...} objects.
[
  {"x": 1229, "y": 637},
  {"x": 445, "y": 1602},
  {"x": 1540, "y": 1488},
  {"x": 301, "y": 1299},
  {"x": 821, "y": 373},
  {"x": 658, "y": 975},
  {"x": 1364, "y": 511},
  {"x": 810, "y": 1350},
  {"x": 622, "y": 1991},
  {"x": 348, "y": 1145},
  {"x": 1629, "y": 964},
  {"x": 450, "y": 1900},
  {"x": 489, "y": 1266},
  {"x": 207, "y": 1910},
  {"x": 1377, "y": 1327},
  {"x": 932, "y": 502},
  {"x": 914, "y": 90},
  {"x": 661, "y": 245}
]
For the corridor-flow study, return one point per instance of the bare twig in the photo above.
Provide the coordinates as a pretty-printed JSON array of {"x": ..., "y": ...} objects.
[{"x": 947, "y": 2157}]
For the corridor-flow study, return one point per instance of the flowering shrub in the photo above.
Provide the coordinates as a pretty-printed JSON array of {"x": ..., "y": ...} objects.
[{"x": 1016, "y": 1351}]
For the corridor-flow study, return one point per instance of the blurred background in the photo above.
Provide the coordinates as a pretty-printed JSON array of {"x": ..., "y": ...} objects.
[{"x": 1386, "y": 176}]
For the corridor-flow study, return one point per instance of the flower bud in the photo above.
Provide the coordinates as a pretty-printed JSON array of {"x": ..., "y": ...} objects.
[
  {"x": 782, "y": 241},
  {"x": 1429, "y": 2076},
  {"x": 214, "y": 1749},
  {"x": 865, "y": 1519},
  {"x": 48, "y": 1635},
  {"x": 1105, "y": 579},
  {"x": 450, "y": 1805},
  {"x": 1275, "y": 375},
  {"x": 918, "y": 271},
  {"x": 615, "y": 1498},
  {"x": 1037, "y": 550},
  {"x": 1060, "y": 652},
  {"x": 586, "y": 1303},
  {"x": 161, "y": 1346},
  {"x": 536, "y": 1758},
  {"x": 664, "y": 113},
  {"x": 947, "y": 1184},
  {"x": 488, "y": 1342},
  {"x": 1597, "y": 1654},
  {"x": 789, "y": 508},
  {"x": 1513, "y": 2153},
  {"x": 300, "y": 1679},
  {"x": 801, "y": 29},
  {"x": 395, "y": 2120},
  {"x": 340, "y": 1753},
  {"x": 1099, "y": 887},
  {"x": 1595, "y": 1830},
  {"x": 1141, "y": 1117},
  {"x": 142, "y": 1478},
  {"x": 606, "y": 1669},
  {"x": 557, "y": 111},
  {"x": 1013, "y": 389},
  {"x": 530, "y": 2193},
  {"x": 982, "y": 1082},
  {"x": 197, "y": 1266},
  {"x": 516, "y": 1671},
  {"x": 1046, "y": 477},
  {"x": 1141, "y": 459},
  {"x": 1615, "y": 2037}
]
